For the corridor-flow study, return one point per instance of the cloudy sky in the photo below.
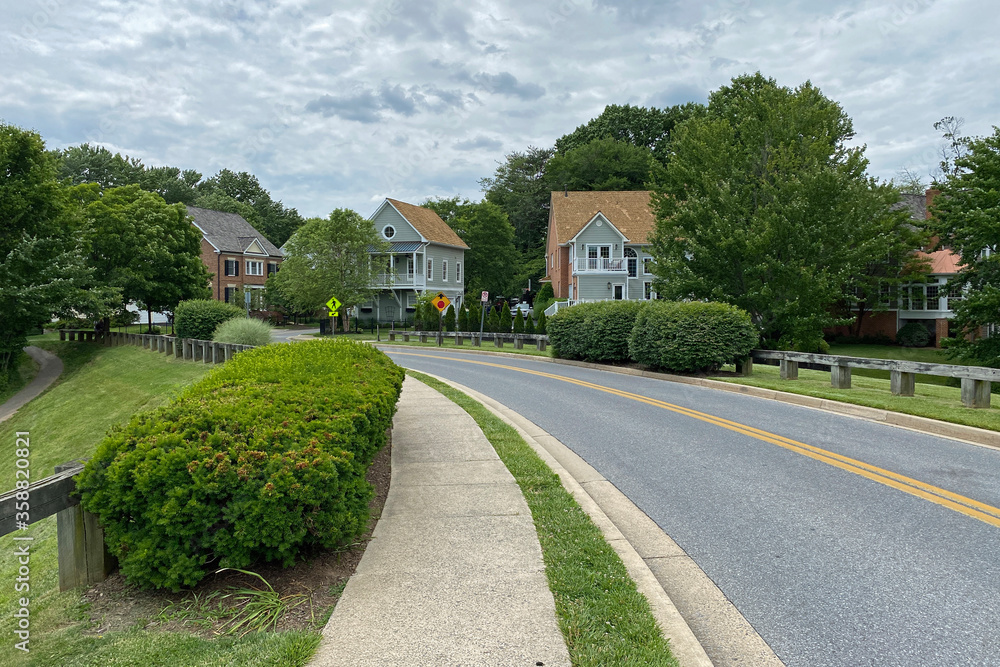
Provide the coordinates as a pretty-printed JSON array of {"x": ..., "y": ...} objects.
[{"x": 336, "y": 104}]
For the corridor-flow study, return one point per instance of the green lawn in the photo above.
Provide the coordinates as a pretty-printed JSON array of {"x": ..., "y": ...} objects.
[
  {"x": 930, "y": 400},
  {"x": 604, "y": 619},
  {"x": 102, "y": 387},
  {"x": 923, "y": 354},
  {"x": 449, "y": 343}
]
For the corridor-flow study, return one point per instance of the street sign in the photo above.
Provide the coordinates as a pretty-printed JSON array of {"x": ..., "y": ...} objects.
[
  {"x": 334, "y": 305},
  {"x": 486, "y": 297},
  {"x": 441, "y": 302}
]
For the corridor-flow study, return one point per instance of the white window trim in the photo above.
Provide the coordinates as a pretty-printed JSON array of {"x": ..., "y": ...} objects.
[
  {"x": 458, "y": 272},
  {"x": 430, "y": 268},
  {"x": 388, "y": 237},
  {"x": 256, "y": 263},
  {"x": 444, "y": 270}
]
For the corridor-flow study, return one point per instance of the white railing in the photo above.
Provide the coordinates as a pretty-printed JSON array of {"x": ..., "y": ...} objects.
[
  {"x": 600, "y": 265},
  {"x": 398, "y": 280}
]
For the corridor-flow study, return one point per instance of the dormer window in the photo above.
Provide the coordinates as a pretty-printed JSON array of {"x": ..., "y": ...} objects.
[{"x": 388, "y": 232}]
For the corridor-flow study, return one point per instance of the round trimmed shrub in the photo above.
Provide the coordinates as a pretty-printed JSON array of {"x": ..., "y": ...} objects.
[
  {"x": 691, "y": 336},
  {"x": 199, "y": 318},
  {"x": 263, "y": 459},
  {"x": 593, "y": 331},
  {"x": 913, "y": 334},
  {"x": 243, "y": 331}
]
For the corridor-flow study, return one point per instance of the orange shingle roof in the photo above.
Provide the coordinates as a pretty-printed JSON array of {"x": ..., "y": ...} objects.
[
  {"x": 942, "y": 261},
  {"x": 628, "y": 211},
  {"x": 428, "y": 223}
]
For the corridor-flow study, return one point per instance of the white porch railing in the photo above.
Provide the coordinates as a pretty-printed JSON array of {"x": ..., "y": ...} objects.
[
  {"x": 600, "y": 265},
  {"x": 384, "y": 280}
]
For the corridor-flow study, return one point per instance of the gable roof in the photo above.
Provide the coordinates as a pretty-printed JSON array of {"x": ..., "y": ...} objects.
[
  {"x": 428, "y": 224},
  {"x": 229, "y": 232},
  {"x": 628, "y": 211}
]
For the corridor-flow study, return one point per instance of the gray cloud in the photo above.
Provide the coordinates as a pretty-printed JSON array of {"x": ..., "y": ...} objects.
[
  {"x": 506, "y": 83},
  {"x": 480, "y": 143}
]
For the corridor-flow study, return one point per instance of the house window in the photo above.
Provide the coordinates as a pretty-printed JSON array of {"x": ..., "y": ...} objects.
[
  {"x": 255, "y": 268},
  {"x": 633, "y": 262},
  {"x": 646, "y": 261},
  {"x": 272, "y": 268},
  {"x": 232, "y": 267},
  {"x": 917, "y": 297},
  {"x": 458, "y": 272},
  {"x": 444, "y": 270},
  {"x": 598, "y": 257},
  {"x": 430, "y": 269},
  {"x": 388, "y": 231},
  {"x": 647, "y": 290},
  {"x": 229, "y": 294},
  {"x": 954, "y": 296},
  {"x": 932, "y": 297}
]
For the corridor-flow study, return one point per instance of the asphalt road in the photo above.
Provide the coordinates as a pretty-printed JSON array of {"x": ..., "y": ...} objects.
[{"x": 842, "y": 541}]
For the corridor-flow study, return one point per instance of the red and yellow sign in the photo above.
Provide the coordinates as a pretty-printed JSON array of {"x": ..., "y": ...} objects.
[{"x": 441, "y": 302}]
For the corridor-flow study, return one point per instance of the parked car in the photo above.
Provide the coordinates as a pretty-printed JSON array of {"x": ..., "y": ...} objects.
[{"x": 522, "y": 307}]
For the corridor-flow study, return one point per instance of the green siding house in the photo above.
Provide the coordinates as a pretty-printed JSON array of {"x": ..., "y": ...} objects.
[
  {"x": 598, "y": 246},
  {"x": 425, "y": 254}
]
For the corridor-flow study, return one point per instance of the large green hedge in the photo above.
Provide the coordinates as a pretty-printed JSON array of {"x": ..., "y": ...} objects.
[
  {"x": 199, "y": 318},
  {"x": 691, "y": 336},
  {"x": 261, "y": 460},
  {"x": 593, "y": 331}
]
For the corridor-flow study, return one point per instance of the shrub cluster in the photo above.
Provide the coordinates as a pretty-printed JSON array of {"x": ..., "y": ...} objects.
[
  {"x": 199, "y": 318},
  {"x": 261, "y": 460},
  {"x": 593, "y": 331},
  {"x": 691, "y": 336},
  {"x": 913, "y": 334},
  {"x": 667, "y": 335},
  {"x": 243, "y": 331}
]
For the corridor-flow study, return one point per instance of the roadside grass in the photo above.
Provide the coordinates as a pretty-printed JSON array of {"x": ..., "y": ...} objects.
[
  {"x": 930, "y": 355},
  {"x": 101, "y": 387},
  {"x": 603, "y": 618},
  {"x": 929, "y": 400},
  {"x": 20, "y": 376},
  {"x": 449, "y": 343}
]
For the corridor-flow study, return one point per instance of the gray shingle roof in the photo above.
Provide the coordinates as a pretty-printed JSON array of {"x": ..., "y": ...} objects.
[
  {"x": 915, "y": 204},
  {"x": 229, "y": 232}
]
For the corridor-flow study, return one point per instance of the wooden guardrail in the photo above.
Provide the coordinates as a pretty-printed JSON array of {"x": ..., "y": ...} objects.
[
  {"x": 540, "y": 341},
  {"x": 83, "y": 556},
  {"x": 976, "y": 380},
  {"x": 184, "y": 348}
]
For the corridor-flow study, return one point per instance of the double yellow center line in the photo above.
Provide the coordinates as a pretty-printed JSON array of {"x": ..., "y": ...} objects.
[{"x": 943, "y": 497}]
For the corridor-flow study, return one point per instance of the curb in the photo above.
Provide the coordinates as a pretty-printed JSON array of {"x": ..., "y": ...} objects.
[
  {"x": 968, "y": 434},
  {"x": 578, "y": 478}
]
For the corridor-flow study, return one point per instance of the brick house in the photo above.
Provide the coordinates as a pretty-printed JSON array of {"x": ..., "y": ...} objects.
[{"x": 236, "y": 254}]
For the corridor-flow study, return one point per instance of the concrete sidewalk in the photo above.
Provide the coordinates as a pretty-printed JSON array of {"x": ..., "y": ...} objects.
[
  {"x": 453, "y": 574},
  {"x": 51, "y": 369}
]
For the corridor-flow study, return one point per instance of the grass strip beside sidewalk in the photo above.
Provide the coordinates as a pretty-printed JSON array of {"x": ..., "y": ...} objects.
[{"x": 603, "y": 618}]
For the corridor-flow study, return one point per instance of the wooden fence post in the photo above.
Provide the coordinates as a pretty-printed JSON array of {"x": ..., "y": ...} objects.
[
  {"x": 83, "y": 557},
  {"x": 540, "y": 343},
  {"x": 789, "y": 370},
  {"x": 975, "y": 393},
  {"x": 902, "y": 384},
  {"x": 840, "y": 377},
  {"x": 745, "y": 367}
]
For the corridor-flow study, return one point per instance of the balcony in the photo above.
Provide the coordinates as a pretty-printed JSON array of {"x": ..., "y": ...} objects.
[
  {"x": 600, "y": 265},
  {"x": 388, "y": 280}
]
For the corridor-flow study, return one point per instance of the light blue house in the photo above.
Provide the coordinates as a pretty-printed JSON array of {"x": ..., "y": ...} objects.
[{"x": 425, "y": 254}]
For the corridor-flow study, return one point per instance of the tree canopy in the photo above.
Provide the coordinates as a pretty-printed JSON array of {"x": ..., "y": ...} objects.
[
  {"x": 966, "y": 219},
  {"x": 763, "y": 205},
  {"x": 601, "y": 164},
  {"x": 329, "y": 257}
]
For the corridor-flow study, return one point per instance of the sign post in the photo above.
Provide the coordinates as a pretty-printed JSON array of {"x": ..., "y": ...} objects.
[
  {"x": 246, "y": 300},
  {"x": 482, "y": 320},
  {"x": 334, "y": 307},
  {"x": 441, "y": 302}
]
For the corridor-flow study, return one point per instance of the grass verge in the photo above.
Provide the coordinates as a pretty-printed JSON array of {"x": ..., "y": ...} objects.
[
  {"x": 929, "y": 400},
  {"x": 449, "y": 343},
  {"x": 99, "y": 388},
  {"x": 24, "y": 372},
  {"x": 603, "y": 618}
]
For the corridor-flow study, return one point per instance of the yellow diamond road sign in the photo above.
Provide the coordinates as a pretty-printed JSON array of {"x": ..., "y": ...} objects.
[
  {"x": 334, "y": 305},
  {"x": 441, "y": 302}
]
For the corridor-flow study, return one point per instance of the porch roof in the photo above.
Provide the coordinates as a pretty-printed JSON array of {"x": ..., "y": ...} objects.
[{"x": 400, "y": 246}]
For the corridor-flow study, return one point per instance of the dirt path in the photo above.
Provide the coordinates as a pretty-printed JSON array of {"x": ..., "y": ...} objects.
[{"x": 51, "y": 368}]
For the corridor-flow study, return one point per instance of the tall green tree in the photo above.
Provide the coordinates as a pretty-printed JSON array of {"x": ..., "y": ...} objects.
[
  {"x": 601, "y": 164},
  {"x": 329, "y": 257},
  {"x": 42, "y": 268},
  {"x": 96, "y": 164},
  {"x": 762, "y": 204},
  {"x": 646, "y": 128},
  {"x": 273, "y": 220},
  {"x": 519, "y": 188},
  {"x": 966, "y": 219}
]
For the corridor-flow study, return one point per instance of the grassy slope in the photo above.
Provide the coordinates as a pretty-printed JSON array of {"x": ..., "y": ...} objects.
[
  {"x": 604, "y": 619},
  {"x": 101, "y": 387}
]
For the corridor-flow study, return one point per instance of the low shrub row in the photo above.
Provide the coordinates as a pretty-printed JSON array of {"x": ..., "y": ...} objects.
[
  {"x": 262, "y": 460},
  {"x": 199, "y": 318},
  {"x": 666, "y": 335}
]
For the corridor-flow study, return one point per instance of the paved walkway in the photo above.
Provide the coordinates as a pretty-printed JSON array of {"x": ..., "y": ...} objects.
[
  {"x": 51, "y": 368},
  {"x": 453, "y": 574}
]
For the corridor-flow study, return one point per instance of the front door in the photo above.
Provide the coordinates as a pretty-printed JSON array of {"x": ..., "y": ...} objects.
[{"x": 619, "y": 292}]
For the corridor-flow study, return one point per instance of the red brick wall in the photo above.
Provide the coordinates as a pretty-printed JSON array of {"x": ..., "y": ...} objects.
[
  {"x": 872, "y": 325},
  {"x": 216, "y": 265}
]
